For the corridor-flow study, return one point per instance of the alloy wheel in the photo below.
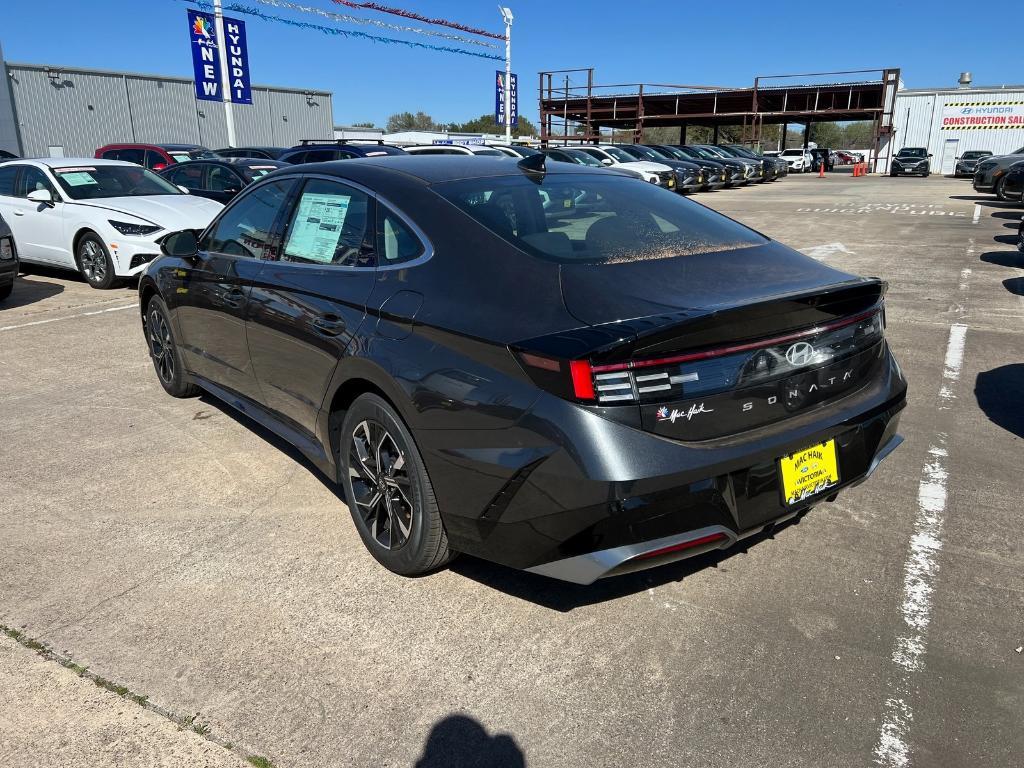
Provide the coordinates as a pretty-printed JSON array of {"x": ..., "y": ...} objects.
[
  {"x": 93, "y": 261},
  {"x": 161, "y": 346},
  {"x": 381, "y": 485}
]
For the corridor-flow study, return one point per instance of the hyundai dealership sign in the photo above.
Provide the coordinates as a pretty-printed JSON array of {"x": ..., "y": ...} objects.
[{"x": 206, "y": 62}]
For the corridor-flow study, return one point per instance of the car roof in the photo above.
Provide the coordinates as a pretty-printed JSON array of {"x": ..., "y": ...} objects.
[
  {"x": 74, "y": 162},
  {"x": 253, "y": 146},
  {"x": 245, "y": 161},
  {"x": 426, "y": 169},
  {"x": 179, "y": 146}
]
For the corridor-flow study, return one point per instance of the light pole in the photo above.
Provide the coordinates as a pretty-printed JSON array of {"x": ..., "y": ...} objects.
[
  {"x": 225, "y": 75},
  {"x": 506, "y": 16}
]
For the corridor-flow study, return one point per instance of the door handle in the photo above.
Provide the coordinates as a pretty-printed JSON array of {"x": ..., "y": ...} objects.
[
  {"x": 19, "y": 213},
  {"x": 329, "y": 325}
]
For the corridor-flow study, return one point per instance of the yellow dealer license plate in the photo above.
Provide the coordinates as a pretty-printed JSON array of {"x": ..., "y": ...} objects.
[
  {"x": 671, "y": 182},
  {"x": 809, "y": 472}
]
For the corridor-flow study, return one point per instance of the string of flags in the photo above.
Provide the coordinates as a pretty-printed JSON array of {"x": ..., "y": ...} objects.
[
  {"x": 256, "y": 12},
  {"x": 346, "y": 19},
  {"x": 413, "y": 15}
]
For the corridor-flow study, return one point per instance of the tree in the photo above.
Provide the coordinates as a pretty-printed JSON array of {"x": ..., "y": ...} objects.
[
  {"x": 363, "y": 125},
  {"x": 407, "y": 121},
  {"x": 485, "y": 124}
]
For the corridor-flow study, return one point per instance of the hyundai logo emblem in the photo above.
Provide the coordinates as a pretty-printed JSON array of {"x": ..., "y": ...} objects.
[{"x": 800, "y": 353}]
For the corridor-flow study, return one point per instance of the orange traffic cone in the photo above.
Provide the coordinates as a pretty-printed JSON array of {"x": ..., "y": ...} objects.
[
  {"x": 821, "y": 169},
  {"x": 856, "y": 168}
]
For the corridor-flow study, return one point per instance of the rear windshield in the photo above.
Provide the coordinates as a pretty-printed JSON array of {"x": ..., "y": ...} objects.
[
  {"x": 975, "y": 155},
  {"x": 595, "y": 219}
]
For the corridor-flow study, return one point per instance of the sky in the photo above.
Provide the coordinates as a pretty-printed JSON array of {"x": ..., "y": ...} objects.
[{"x": 679, "y": 42}]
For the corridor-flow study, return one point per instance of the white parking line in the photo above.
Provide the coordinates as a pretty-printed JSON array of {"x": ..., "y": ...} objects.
[
  {"x": 919, "y": 574},
  {"x": 977, "y": 213},
  {"x": 66, "y": 317}
]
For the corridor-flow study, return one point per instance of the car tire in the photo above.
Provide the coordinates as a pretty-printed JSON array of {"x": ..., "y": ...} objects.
[
  {"x": 1001, "y": 189},
  {"x": 94, "y": 262},
  {"x": 164, "y": 352},
  {"x": 388, "y": 492},
  {"x": 5, "y": 291}
]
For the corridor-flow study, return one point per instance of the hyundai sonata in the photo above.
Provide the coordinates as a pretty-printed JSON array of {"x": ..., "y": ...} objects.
[{"x": 545, "y": 365}]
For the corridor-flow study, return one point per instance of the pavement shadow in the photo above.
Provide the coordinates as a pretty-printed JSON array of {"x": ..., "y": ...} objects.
[
  {"x": 1015, "y": 216},
  {"x": 29, "y": 292},
  {"x": 459, "y": 741},
  {"x": 1014, "y": 285},
  {"x": 273, "y": 439},
  {"x": 1013, "y": 259},
  {"x": 986, "y": 201},
  {"x": 1006, "y": 239},
  {"x": 563, "y": 596},
  {"x": 999, "y": 393}
]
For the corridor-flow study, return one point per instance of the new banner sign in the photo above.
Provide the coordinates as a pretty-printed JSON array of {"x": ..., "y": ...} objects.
[
  {"x": 983, "y": 114},
  {"x": 206, "y": 59},
  {"x": 499, "y": 98}
]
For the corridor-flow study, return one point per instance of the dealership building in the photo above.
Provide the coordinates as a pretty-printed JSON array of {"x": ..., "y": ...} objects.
[
  {"x": 951, "y": 121},
  {"x": 57, "y": 111}
]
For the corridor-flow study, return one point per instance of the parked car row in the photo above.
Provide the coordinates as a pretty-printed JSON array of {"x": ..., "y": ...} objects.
[
  {"x": 1000, "y": 175},
  {"x": 106, "y": 216}
]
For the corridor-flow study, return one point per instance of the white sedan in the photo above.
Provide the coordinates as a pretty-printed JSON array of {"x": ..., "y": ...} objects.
[{"x": 103, "y": 218}]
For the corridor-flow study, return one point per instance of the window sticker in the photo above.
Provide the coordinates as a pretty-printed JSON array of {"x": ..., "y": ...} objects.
[
  {"x": 317, "y": 227},
  {"x": 78, "y": 178}
]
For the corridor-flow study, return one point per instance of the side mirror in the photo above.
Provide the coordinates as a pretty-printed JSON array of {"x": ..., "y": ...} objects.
[
  {"x": 183, "y": 189},
  {"x": 181, "y": 245},
  {"x": 43, "y": 196},
  {"x": 605, "y": 161},
  {"x": 929, "y": 154}
]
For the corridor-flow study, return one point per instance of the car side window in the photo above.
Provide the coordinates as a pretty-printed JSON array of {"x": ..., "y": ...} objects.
[
  {"x": 221, "y": 179},
  {"x": 246, "y": 227},
  {"x": 136, "y": 156},
  {"x": 190, "y": 175},
  {"x": 112, "y": 154},
  {"x": 329, "y": 226},
  {"x": 319, "y": 156},
  {"x": 33, "y": 179},
  {"x": 297, "y": 159},
  {"x": 8, "y": 175},
  {"x": 154, "y": 160},
  {"x": 396, "y": 242}
]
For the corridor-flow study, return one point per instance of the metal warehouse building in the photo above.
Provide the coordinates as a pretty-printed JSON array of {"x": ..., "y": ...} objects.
[
  {"x": 49, "y": 110},
  {"x": 950, "y": 121}
]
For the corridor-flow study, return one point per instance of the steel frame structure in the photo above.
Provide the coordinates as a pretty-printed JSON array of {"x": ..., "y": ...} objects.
[{"x": 576, "y": 113}]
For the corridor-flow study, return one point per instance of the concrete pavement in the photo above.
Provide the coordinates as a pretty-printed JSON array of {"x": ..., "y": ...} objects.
[{"x": 199, "y": 561}]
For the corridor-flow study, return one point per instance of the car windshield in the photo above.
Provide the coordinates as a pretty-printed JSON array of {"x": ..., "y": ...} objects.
[
  {"x": 583, "y": 158},
  {"x": 490, "y": 152},
  {"x": 792, "y": 152},
  {"x": 526, "y": 151},
  {"x": 256, "y": 171},
  {"x": 183, "y": 156},
  {"x": 975, "y": 155},
  {"x": 90, "y": 182},
  {"x": 745, "y": 152},
  {"x": 912, "y": 152},
  {"x": 672, "y": 152},
  {"x": 618, "y": 154},
  {"x": 637, "y": 153},
  {"x": 595, "y": 218}
]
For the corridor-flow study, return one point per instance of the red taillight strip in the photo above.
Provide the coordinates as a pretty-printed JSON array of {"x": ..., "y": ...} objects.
[
  {"x": 684, "y": 545},
  {"x": 582, "y": 379},
  {"x": 710, "y": 353}
]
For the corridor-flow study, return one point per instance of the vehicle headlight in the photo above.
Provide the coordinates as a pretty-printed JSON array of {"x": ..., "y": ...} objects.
[
  {"x": 6, "y": 249},
  {"x": 127, "y": 228}
]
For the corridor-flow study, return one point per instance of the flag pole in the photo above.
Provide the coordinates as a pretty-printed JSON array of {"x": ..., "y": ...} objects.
[{"x": 225, "y": 74}]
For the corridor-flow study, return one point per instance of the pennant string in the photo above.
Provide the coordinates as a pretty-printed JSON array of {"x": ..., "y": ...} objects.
[
  {"x": 249, "y": 11},
  {"x": 418, "y": 17},
  {"x": 346, "y": 19}
]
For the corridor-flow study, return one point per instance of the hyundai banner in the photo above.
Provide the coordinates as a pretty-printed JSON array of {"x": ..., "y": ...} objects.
[
  {"x": 499, "y": 98},
  {"x": 206, "y": 59},
  {"x": 983, "y": 114}
]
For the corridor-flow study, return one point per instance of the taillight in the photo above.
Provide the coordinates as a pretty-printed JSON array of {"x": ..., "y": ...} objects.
[
  {"x": 710, "y": 539},
  {"x": 571, "y": 379}
]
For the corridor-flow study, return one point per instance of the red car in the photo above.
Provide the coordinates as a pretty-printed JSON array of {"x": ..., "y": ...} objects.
[{"x": 156, "y": 157}]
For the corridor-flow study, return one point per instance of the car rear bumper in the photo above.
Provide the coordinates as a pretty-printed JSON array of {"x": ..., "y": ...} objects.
[{"x": 590, "y": 497}]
